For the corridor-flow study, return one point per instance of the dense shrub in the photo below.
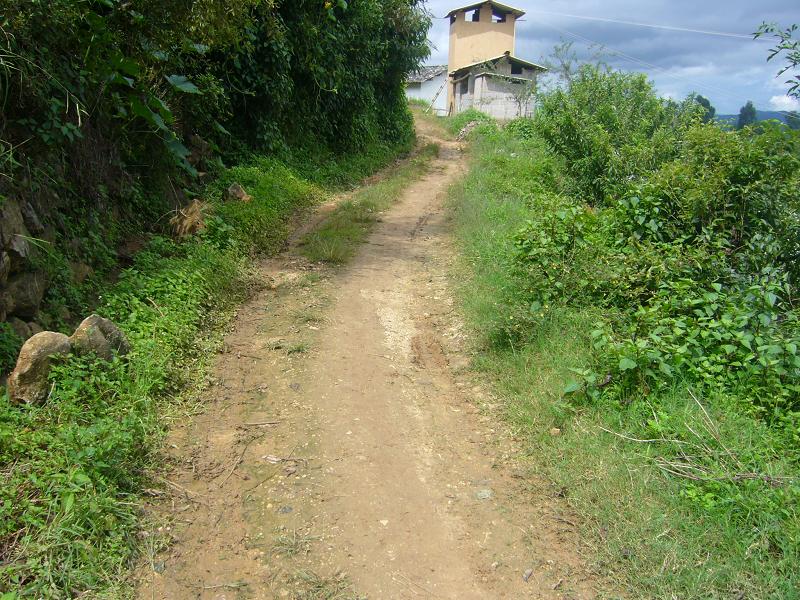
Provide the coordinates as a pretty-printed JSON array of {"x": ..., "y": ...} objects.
[
  {"x": 109, "y": 110},
  {"x": 272, "y": 72},
  {"x": 692, "y": 249},
  {"x": 634, "y": 284},
  {"x": 612, "y": 128}
]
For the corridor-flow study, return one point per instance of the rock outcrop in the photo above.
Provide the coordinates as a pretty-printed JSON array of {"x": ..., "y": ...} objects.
[
  {"x": 27, "y": 291},
  {"x": 21, "y": 287},
  {"x": 28, "y": 382},
  {"x": 96, "y": 335}
]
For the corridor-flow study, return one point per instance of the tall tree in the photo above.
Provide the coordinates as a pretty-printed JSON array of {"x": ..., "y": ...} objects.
[
  {"x": 710, "y": 111},
  {"x": 747, "y": 115}
]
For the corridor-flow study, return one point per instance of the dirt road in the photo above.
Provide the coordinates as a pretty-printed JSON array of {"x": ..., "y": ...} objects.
[{"x": 346, "y": 452}]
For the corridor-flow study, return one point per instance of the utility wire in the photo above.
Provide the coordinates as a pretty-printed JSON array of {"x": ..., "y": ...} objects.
[
  {"x": 739, "y": 36},
  {"x": 644, "y": 63}
]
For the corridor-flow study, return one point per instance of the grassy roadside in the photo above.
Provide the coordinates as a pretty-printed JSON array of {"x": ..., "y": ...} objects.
[
  {"x": 343, "y": 231},
  {"x": 656, "y": 534},
  {"x": 72, "y": 471}
]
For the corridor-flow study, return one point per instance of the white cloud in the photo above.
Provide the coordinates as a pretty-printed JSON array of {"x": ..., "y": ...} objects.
[{"x": 784, "y": 103}]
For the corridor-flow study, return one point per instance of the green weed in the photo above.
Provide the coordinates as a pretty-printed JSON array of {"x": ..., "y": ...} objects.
[
  {"x": 293, "y": 543},
  {"x": 308, "y": 585},
  {"x": 298, "y": 348}
]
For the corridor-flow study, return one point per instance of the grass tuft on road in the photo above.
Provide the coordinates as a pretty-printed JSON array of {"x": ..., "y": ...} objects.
[{"x": 347, "y": 227}]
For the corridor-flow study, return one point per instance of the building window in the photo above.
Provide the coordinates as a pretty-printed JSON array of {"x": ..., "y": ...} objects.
[
  {"x": 452, "y": 19},
  {"x": 473, "y": 15},
  {"x": 498, "y": 17},
  {"x": 516, "y": 69},
  {"x": 463, "y": 86}
]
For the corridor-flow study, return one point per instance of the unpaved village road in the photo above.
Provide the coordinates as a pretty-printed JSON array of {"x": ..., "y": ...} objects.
[{"x": 344, "y": 434}]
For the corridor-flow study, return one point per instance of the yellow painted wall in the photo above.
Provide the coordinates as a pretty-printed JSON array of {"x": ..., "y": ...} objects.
[{"x": 472, "y": 42}]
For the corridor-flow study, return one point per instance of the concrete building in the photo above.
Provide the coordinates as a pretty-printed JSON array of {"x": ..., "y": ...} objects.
[
  {"x": 483, "y": 72},
  {"x": 502, "y": 87},
  {"x": 429, "y": 84}
]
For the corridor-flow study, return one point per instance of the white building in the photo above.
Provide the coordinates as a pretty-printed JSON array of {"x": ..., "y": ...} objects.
[
  {"x": 502, "y": 87},
  {"x": 429, "y": 84},
  {"x": 484, "y": 73}
]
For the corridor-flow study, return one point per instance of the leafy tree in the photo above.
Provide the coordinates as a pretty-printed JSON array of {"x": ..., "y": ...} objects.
[
  {"x": 787, "y": 46},
  {"x": 747, "y": 115},
  {"x": 793, "y": 120},
  {"x": 709, "y": 110}
]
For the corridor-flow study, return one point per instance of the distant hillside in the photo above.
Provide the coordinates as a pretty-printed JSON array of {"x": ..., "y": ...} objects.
[{"x": 761, "y": 115}]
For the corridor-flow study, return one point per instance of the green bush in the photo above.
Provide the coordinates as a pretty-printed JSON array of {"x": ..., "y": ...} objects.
[
  {"x": 695, "y": 258},
  {"x": 654, "y": 257},
  {"x": 612, "y": 128}
]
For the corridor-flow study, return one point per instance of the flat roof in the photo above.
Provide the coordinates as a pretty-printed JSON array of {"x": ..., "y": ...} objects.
[
  {"x": 517, "y": 12},
  {"x": 507, "y": 55}
]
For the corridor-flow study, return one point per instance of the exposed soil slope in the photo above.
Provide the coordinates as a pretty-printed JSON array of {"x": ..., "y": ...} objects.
[{"x": 344, "y": 435}]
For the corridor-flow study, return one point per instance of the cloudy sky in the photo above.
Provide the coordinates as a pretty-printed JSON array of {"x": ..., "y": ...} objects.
[{"x": 728, "y": 70}]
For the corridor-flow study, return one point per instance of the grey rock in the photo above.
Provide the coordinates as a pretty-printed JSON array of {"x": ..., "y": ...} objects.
[
  {"x": 96, "y": 335},
  {"x": 6, "y": 305},
  {"x": 13, "y": 233},
  {"x": 35, "y": 328},
  {"x": 485, "y": 494},
  {"x": 5, "y": 266},
  {"x": 28, "y": 381},
  {"x": 526, "y": 576},
  {"x": 27, "y": 291},
  {"x": 31, "y": 219},
  {"x": 11, "y": 222},
  {"x": 20, "y": 327}
]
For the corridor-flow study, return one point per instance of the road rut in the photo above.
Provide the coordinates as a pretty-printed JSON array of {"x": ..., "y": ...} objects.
[{"x": 347, "y": 449}]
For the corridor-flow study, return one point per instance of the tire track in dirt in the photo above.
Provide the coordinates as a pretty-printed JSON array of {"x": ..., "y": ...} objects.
[{"x": 343, "y": 435}]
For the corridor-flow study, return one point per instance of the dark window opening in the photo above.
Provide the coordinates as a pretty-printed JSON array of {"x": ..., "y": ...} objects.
[
  {"x": 452, "y": 19},
  {"x": 498, "y": 17},
  {"x": 516, "y": 69},
  {"x": 473, "y": 15},
  {"x": 464, "y": 87}
]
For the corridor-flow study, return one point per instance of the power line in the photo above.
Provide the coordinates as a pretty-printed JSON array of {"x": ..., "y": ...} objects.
[
  {"x": 644, "y": 63},
  {"x": 740, "y": 36}
]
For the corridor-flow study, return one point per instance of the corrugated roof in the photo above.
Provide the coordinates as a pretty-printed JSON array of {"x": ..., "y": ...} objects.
[
  {"x": 507, "y": 55},
  {"x": 426, "y": 73},
  {"x": 517, "y": 12}
]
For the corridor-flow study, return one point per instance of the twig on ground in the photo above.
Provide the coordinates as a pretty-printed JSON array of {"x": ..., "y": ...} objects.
[
  {"x": 230, "y": 586},
  {"x": 239, "y": 460}
]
